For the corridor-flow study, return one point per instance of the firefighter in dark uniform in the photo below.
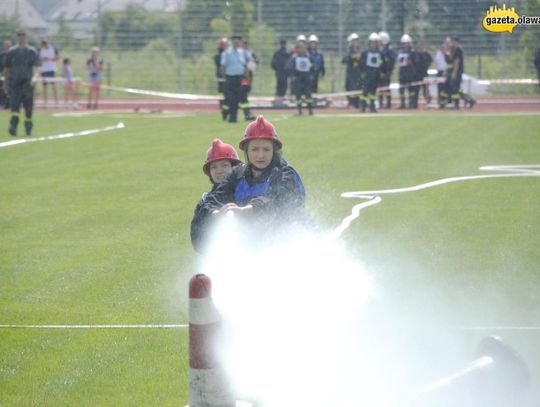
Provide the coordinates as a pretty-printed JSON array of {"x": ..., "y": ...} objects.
[
  {"x": 300, "y": 69},
  {"x": 233, "y": 66},
  {"x": 353, "y": 75},
  {"x": 454, "y": 73},
  {"x": 425, "y": 60},
  {"x": 220, "y": 78},
  {"x": 221, "y": 158},
  {"x": 267, "y": 191},
  {"x": 18, "y": 71},
  {"x": 372, "y": 64},
  {"x": 247, "y": 81},
  {"x": 389, "y": 58},
  {"x": 279, "y": 64},
  {"x": 407, "y": 73},
  {"x": 317, "y": 61}
]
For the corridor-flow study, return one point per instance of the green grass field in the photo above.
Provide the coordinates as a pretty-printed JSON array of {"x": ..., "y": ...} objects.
[{"x": 95, "y": 230}]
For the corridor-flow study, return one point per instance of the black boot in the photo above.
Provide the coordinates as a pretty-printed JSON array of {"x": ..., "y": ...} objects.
[
  {"x": 372, "y": 108},
  {"x": 13, "y": 123},
  {"x": 364, "y": 105},
  {"x": 310, "y": 109},
  {"x": 247, "y": 115},
  {"x": 402, "y": 103},
  {"x": 389, "y": 102},
  {"x": 28, "y": 127},
  {"x": 381, "y": 99}
]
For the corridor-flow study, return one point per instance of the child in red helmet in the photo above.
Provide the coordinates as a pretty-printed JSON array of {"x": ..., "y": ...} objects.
[
  {"x": 266, "y": 188},
  {"x": 220, "y": 160}
]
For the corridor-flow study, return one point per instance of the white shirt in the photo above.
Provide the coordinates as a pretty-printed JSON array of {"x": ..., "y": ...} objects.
[
  {"x": 440, "y": 62},
  {"x": 50, "y": 53}
]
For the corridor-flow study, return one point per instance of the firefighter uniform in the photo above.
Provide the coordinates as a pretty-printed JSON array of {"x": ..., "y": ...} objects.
[
  {"x": 353, "y": 74},
  {"x": 220, "y": 77},
  {"x": 407, "y": 63},
  {"x": 233, "y": 63},
  {"x": 20, "y": 62},
  {"x": 454, "y": 73},
  {"x": 301, "y": 69},
  {"x": 317, "y": 62},
  {"x": 371, "y": 63},
  {"x": 389, "y": 58}
]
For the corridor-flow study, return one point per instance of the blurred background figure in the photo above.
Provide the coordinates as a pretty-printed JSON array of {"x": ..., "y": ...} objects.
[
  {"x": 389, "y": 57},
  {"x": 407, "y": 62},
  {"x": 220, "y": 77},
  {"x": 353, "y": 74},
  {"x": 71, "y": 89},
  {"x": 317, "y": 61},
  {"x": 94, "y": 66},
  {"x": 48, "y": 55},
  {"x": 279, "y": 64},
  {"x": 424, "y": 60},
  {"x": 4, "y": 97}
]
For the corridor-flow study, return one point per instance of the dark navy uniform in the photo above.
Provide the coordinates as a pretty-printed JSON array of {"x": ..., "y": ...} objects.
[
  {"x": 20, "y": 61},
  {"x": 4, "y": 99},
  {"x": 372, "y": 63},
  {"x": 353, "y": 75},
  {"x": 220, "y": 78},
  {"x": 301, "y": 69},
  {"x": 277, "y": 196},
  {"x": 453, "y": 79},
  {"x": 389, "y": 57},
  {"x": 407, "y": 63},
  {"x": 201, "y": 221},
  {"x": 279, "y": 65},
  {"x": 317, "y": 61}
]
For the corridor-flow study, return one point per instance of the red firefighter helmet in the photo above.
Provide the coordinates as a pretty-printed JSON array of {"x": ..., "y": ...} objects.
[
  {"x": 260, "y": 129},
  {"x": 220, "y": 151},
  {"x": 222, "y": 43}
]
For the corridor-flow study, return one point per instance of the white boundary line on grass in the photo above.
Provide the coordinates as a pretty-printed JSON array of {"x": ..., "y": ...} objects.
[
  {"x": 373, "y": 197},
  {"x": 14, "y": 142},
  {"x": 141, "y": 326}
]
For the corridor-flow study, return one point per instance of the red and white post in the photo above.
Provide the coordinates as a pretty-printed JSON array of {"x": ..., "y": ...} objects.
[{"x": 208, "y": 384}]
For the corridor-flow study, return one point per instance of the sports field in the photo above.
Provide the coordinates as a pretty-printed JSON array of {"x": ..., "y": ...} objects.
[{"x": 95, "y": 232}]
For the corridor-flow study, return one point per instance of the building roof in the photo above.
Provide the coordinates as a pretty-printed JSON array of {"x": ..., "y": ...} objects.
[
  {"x": 29, "y": 16},
  {"x": 88, "y": 9}
]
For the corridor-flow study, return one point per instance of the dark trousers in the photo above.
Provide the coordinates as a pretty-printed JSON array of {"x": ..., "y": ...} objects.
[
  {"x": 281, "y": 85},
  {"x": 21, "y": 92},
  {"x": 233, "y": 93}
]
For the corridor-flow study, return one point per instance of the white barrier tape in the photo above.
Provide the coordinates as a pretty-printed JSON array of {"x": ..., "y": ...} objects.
[
  {"x": 120, "y": 326},
  {"x": 48, "y": 79},
  {"x": 120, "y": 125},
  {"x": 371, "y": 196}
]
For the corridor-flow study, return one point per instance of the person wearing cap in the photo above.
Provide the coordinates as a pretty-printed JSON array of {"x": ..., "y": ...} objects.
[
  {"x": 48, "y": 55},
  {"x": 389, "y": 58},
  {"x": 20, "y": 81},
  {"x": 300, "y": 69},
  {"x": 220, "y": 160},
  {"x": 353, "y": 74},
  {"x": 279, "y": 64},
  {"x": 317, "y": 61},
  {"x": 407, "y": 61},
  {"x": 220, "y": 78},
  {"x": 372, "y": 64},
  {"x": 266, "y": 190},
  {"x": 234, "y": 67}
]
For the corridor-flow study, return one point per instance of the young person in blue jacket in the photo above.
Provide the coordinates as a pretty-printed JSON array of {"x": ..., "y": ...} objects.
[{"x": 221, "y": 158}]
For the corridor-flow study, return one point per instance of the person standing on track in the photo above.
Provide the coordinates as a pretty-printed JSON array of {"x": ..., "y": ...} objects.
[
  {"x": 279, "y": 64},
  {"x": 48, "y": 55},
  {"x": 424, "y": 59},
  {"x": 317, "y": 61},
  {"x": 372, "y": 64},
  {"x": 407, "y": 62},
  {"x": 389, "y": 57},
  {"x": 94, "y": 67},
  {"x": 456, "y": 67},
  {"x": 220, "y": 78},
  {"x": 233, "y": 67},
  {"x": 20, "y": 82},
  {"x": 353, "y": 74},
  {"x": 300, "y": 69}
]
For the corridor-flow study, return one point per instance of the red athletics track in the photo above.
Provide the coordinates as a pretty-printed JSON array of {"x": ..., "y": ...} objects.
[{"x": 485, "y": 104}]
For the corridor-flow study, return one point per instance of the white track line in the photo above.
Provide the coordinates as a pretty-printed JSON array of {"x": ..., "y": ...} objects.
[
  {"x": 148, "y": 326},
  {"x": 120, "y": 125},
  {"x": 373, "y": 197}
]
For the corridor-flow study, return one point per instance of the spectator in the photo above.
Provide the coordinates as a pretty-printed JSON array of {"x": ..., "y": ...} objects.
[
  {"x": 353, "y": 74},
  {"x": 71, "y": 91},
  {"x": 18, "y": 70},
  {"x": 371, "y": 62},
  {"x": 441, "y": 66},
  {"x": 247, "y": 81},
  {"x": 389, "y": 57},
  {"x": 300, "y": 69},
  {"x": 48, "y": 55},
  {"x": 407, "y": 62},
  {"x": 220, "y": 78},
  {"x": 317, "y": 61},
  {"x": 424, "y": 60},
  {"x": 233, "y": 66},
  {"x": 279, "y": 64},
  {"x": 94, "y": 67}
]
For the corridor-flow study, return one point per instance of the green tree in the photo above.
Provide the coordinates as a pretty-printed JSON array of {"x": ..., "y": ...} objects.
[
  {"x": 64, "y": 36},
  {"x": 8, "y": 27}
]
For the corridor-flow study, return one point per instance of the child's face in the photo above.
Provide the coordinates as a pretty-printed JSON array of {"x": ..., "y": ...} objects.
[
  {"x": 219, "y": 170},
  {"x": 260, "y": 153}
]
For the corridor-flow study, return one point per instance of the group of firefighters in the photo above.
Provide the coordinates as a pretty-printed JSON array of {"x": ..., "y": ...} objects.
[{"x": 367, "y": 78}]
